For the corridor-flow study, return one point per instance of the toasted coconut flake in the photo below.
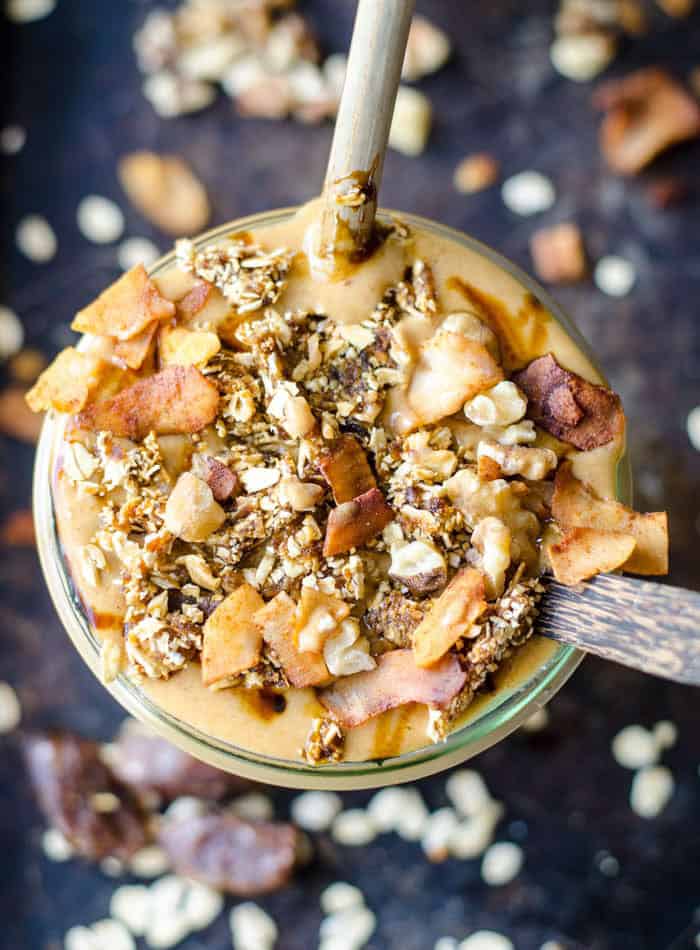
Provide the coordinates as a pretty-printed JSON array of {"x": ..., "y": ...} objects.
[
  {"x": 575, "y": 505},
  {"x": 277, "y": 620},
  {"x": 178, "y": 346},
  {"x": 570, "y": 407},
  {"x": 395, "y": 681},
  {"x": 346, "y": 469},
  {"x": 166, "y": 191},
  {"x": 451, "y": 369},
  {"x": 135, "y": 351},
  {"x": 450, "y": 617},
  {"x": 126, "y": 308},
  {"x": 646, "y": 112},
  {"x": 354, "y": 523},
  {"x": 584, "y": 552},
  {"x": 318, "y": 615},
  {"x": 68, "y": 383},
  {"x": 178, "y": 399},
  {"x": 232, "y": 640}
]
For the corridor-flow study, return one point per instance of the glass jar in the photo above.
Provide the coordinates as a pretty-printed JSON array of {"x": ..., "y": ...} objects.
[{"x": 496, "y": 715}]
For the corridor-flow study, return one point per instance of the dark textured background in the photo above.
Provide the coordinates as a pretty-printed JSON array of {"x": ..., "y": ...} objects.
[{"x": 72, "y": 82}]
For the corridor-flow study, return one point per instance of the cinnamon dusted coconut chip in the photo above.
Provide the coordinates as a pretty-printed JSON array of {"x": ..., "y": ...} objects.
[
  {"x": 126, "y": 308},
  {"x": 645, "y": 113},
  {"x": 232, "y": 640},
  {"x": 166, "y": 191},
  {"x": 68, "y": 383},
  {"x": 575, "y": 505},
  {"x": 583, "y": 552},
  {"x": 356, "y": 522},
  {"x": 135, "y": 351},
  {"x": 277, "y": 621},
  {"x": 450, "y": 617},
  {"x": 178, "y": 399},
  {"x": 346, "y": 469},
  {"x": 570, "y": 407}
]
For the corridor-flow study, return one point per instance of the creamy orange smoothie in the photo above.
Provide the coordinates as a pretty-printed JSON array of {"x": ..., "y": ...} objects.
[{"x": 308, "y": 516}]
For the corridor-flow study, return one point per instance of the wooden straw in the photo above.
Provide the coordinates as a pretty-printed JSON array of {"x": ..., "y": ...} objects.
[{"x": 362, "y": 128}]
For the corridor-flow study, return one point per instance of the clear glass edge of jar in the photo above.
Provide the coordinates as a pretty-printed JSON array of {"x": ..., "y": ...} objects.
[{"x": 492, "y": 725}]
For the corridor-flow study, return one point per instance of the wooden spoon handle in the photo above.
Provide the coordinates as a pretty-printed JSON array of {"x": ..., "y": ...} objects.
[
  {"x": 362, "y": 127},
  {"x": 651, "y": 627}
]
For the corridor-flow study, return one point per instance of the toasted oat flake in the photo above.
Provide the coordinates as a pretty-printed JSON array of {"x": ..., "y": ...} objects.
[
  {"x": 614, "y": 275},
  {"x": 354, "y": 828},
  {"x": 36, "y": 239},
  {"x": 137, "y": 250},
  {"x": 27, "y": 11},
  {"x": 100, "y": 220},
  {"x": 501, "y": 863},
  {"x": 252, "y": 928},
  {"x": 340, "y": 896},
  {"x": 528, "y": 193},
  {"x": 56, "y": 846},
  {"x": 316, "y": 810},
  {"x": 486, "y": 940},
  {"x": 12, "y": 139},
  {"x": 11, "y": 333},
  {"x": 652, "y": 789},
  {"x": 10, "y": 709},
  {"x": 634, "y": 747}
]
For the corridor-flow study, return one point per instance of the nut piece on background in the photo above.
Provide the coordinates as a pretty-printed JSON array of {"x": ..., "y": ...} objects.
[
  {"x": 646, "y": 112},
  {"x": 476, "y": 172},
  {"x": 166, "y": 191},
  {"x": 427, "y": 50},
  {"x": 558, "y": 254},
  {"x": 677, "y": 8},
  {"x": 410, "y": 127}
]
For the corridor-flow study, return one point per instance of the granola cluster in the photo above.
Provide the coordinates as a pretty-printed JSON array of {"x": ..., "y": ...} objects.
[{"x": 297, "y": 503}]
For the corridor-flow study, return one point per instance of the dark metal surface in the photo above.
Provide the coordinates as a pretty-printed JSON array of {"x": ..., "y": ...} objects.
[{"x": 72, "y": 82}]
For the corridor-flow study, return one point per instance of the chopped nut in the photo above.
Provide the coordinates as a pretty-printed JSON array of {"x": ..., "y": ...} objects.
[
  {"x": 492, "y": 538},
  {"x": 475, "y": 173},
  {"x": 558, "y": 254},
  {"x": 347, "y": 652},
  {"x": 259, "y": 478},
  {"x": 199, "y": 572},
  {"x": 427, "y": 49},
  {"x": 410, "y": 126},
  {"x": 528, "y": 461},
  {"x": 191, "y": 513},
  {"x": 300, "y": 496},
  {"x": 293, "y": 412},
  {"x": 419, "y": 566},
  {"x": 166, "y": 191},
  {"x": 645, "y": 113},
  {"x": 318, "y": 615},
  {"x": 501, "y": 405}
]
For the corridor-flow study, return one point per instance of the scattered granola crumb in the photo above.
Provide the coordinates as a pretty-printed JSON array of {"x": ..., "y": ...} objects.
[
  {"x": 11, "y": 333},
  {"x": 100, "y": 220},
  {"x": 607, "y": 864},
  {"x": 353, "y": 828},
  {"x": 501, "y": 863},
  {"x": 537, "y": 721},
  {"x": 315, "y": 811},
  {"x": 692, "y": 425},
  {"x": 410, "y": 126},
  {"x": 528, "y": 193},
  {"x": 56, "y": 846},
  {"x": 12, "y": 139},
  {"x": 10, "y": 709},
  {"x": 486, "y": 940},
  {"x": 137, "y": 250},
  {"x": 652, "y": 788},
  {"x": 351, "y": 927},
  {"x": 614, "y": 275},
  {"x": 558, "y": 254},
  {"x": 582, "y": 57},
  {"x": 634, "y": 747},
  {"x": 27, "y": 11},
  {"x": 36, "y": 239},
  {"x": 475, "y": 173},
  {"x": 252, "y": 928},
  {"x": 341, "y": 896}
]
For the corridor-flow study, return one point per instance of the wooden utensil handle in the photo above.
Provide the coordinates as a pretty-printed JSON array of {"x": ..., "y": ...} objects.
[
  {"x": 652, "y": 627},
  {"x": 362, "y": 127}
]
